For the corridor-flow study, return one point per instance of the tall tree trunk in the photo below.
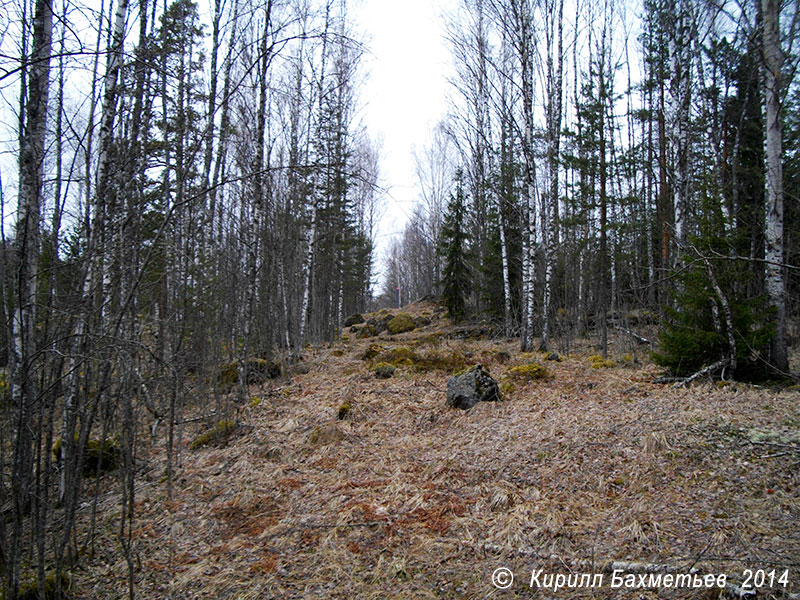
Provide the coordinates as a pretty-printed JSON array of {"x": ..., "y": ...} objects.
[
  {"x": 311, "y": 233},
  {"x": 680, "y": 104},
  {"x": 523, "y": 40},
  {"x": 603, "y": 283},
  {"x": 773, "y": 89},
  {"x": 23, "y": 350},
  {"x": 549, "y": 216}
]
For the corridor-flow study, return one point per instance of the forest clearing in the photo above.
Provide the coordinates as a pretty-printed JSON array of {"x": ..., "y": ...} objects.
[
  {"x": 399, "y": 496},
  {"x": 420, "y": 299}
]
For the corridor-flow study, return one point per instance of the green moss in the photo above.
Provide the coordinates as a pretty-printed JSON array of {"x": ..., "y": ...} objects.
[
  {"x": 508, "y": 388},
  {"x": 5, "y": 388},
  {"x": 603, "y": 364},
  {"x": 422, "y": 321},
  {"x": 371, "y": 352},
  {"x": 528, "y": 372},
  {"x": 366, "y": 331},
  {"x": 432, "y": 339},
  {"x": 395, "y": 355},
  {"x": 337, "y": 352},
  {"x": 383, "y": 370},
  {"x": 255, "y": 401},
  {"x": 29, "y": 587},
  {"x": 450, "y": 361},
  {"x": 400, "y": 324},
  {"x": 98, "y": 456},
  {"x": 344, "y": 411},
  {"x": 219, "y": 434},
  {"x": 258, "y": 370}
]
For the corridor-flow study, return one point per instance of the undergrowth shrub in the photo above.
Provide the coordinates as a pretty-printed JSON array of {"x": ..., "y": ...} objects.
[{"x": 694, "y": 332}]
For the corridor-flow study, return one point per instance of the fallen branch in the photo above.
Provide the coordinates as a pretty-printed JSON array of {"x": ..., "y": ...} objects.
[
  {"x": 709, "y": 370},
  {"x": 667, "y": 379},
  {"x": 636, "y": 336}
]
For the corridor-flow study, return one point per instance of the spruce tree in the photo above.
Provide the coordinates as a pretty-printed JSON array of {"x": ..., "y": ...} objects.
[{"x": 456, "y": 283}]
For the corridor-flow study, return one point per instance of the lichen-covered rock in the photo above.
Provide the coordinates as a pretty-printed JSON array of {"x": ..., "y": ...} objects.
[
  {"x": 467, "y": 389},
  {"x": 400, "y": 324},
  {"x": 422, "y": 321},
  {"x": 383, "y": 370},
  {"x": 379, "y": 322},
  {"x": 355, "y": 319},
  {"x": 258, "y": 370},
  {"x": 366, "y": 331},
  {"x": 371, "y": 352}
]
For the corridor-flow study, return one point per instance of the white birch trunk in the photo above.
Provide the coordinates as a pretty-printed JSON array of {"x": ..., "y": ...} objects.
[
  {"x": 774, "y": 253},
  {"x": 95, "y": 273},
  {"x": 680, "y": 107}
]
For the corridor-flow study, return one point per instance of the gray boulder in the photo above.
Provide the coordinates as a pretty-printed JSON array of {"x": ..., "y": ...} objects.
[
  {"x": 467, "y": 389},
  {"x": 355, "y": 319}
]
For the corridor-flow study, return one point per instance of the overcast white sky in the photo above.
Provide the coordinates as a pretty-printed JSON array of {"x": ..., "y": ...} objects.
[{"x": 405, "y": 91}]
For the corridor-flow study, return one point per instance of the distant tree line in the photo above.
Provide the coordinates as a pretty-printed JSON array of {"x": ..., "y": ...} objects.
[{"x": 621, "y": 160}]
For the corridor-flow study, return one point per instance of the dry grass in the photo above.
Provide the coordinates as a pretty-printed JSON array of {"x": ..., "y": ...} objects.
[{"x": 411, "y": 499}]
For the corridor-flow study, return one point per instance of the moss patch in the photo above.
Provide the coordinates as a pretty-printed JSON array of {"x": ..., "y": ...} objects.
[
  {"x": 29, "y": 588},
  {"x": 98, "y": 456},
  {"x": 371, "y": 352},
  {"x": 366, "y": 331},
  {"x": 507, "y": 388},
  {"x": 258, "y": 370},
  {"x": 218, "y": 435},
  {"x": 528, "y": 372},
  {"x": 449, "y": 361},
  {"x": 397, "y": 356},
  {"x": 344, "y": 411},
  {"x": 603, "y": 364},
  {"x": 400, "y": 324}
]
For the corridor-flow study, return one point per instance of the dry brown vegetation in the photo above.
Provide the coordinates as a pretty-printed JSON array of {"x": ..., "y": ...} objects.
[{"x": 403, "y": 497}]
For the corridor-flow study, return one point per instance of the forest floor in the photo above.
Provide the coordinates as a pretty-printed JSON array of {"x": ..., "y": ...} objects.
[{"x": 407, "y": 498}]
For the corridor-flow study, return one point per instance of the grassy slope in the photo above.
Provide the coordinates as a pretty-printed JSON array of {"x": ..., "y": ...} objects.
[{"x": 415, "y": 500}]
